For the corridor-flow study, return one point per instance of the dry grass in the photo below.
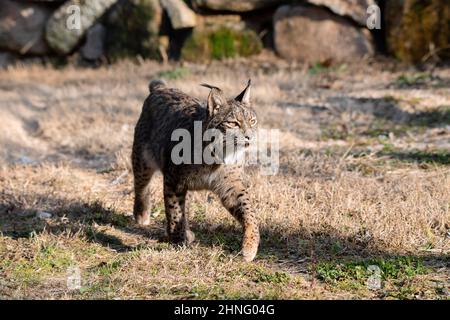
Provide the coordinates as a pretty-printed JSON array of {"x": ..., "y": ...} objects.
[{"x": 364, "y": 179}]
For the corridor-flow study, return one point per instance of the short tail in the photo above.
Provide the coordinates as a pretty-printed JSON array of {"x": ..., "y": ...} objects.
[{"x": 156, "y": 84}]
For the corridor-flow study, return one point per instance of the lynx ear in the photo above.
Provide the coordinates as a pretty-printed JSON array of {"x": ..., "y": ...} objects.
[
  {"x": 216, "y": 99},
  {"x": 244, "y": 96}
]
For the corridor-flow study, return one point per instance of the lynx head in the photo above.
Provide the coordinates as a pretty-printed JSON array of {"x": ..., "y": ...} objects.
[
  {"x": 234, "y": 114},
  {"x": 235, "y": 118}
]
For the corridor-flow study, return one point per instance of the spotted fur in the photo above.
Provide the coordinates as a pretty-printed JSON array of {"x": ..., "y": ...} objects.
[{"x": 167, "y": 109}]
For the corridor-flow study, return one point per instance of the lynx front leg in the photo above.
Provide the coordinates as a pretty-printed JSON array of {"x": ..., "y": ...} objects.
[
  {"x": 236, "y": 200},
  {"x": 177, "y": 224}
]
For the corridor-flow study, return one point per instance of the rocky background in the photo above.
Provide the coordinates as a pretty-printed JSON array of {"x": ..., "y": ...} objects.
[{"x": 310, "y": 31}]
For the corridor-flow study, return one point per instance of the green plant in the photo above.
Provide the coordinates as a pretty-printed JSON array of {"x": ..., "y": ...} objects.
[
  {"x": 220, "y": 44},
  {"x": 391, "y": 269},
  {"x": 173, "y": 74},
  {"x": 133, "y": 31},
  {"x": 415, "y": 79},
  {"x": 317, "y": 68}
]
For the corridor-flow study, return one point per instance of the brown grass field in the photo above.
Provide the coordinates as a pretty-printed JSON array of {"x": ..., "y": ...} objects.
[{"x": 364, "y": 179}]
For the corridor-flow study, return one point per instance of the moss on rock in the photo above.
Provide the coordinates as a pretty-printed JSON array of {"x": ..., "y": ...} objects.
[
  {"x": 220, "y": 43},
  {"x": 133, "y": 28},
  {"x": 415, "y": 26}
]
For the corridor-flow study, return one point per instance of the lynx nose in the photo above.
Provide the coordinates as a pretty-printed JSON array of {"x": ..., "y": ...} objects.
[{"x": 247, "y": 140}]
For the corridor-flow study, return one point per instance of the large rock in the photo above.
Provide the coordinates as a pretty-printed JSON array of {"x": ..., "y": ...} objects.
[
  {"x": 22, "y": 27},
  {"x": 70, "y": 22},
  {"x": 314, "y": 35},
  {"x": 417, "y": 30},
  {"x": 180, "y": 15},
  {"x": 236, "y": 6},
  {"x": 355, "y": 9},
  {"x": 132, "y": 29},
  {"x": 93, "y": 48},
  {"x": 6, "y": 59}
]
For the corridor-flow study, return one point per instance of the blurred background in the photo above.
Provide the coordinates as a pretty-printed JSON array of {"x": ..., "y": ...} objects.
[{"x": 312, "y": 31}]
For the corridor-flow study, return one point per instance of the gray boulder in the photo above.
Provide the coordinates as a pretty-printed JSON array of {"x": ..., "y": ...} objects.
[
  {"x": 94, "y": 47},
  {"x": 22, "y": 27},
  {"x": 6, "y": 59},
  {"x": 355, "y": 9},
  {"x": 70, "y": 22},
  {"x": 314, "y": 35}
]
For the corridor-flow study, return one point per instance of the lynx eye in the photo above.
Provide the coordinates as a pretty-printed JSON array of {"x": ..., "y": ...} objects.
[{"x": 232, "y": 124}]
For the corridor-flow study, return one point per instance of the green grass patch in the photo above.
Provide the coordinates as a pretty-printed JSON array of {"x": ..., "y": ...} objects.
[
  {"x": 220, "y": 291},
  {"x": 199, "y": 211},
  {"x": 321, "y": 67},
  {"x": 260, "y": 274},
  {"x": 101, "y": 290},
  {"x": 407, "y": 80},
  {"x": 317, "y": 68},
  {"x": 108, "y": 268},
  {"x": 174, "y": 74},
  {"x": 221, "y": 43},
  {"x": 277, "y": 277},
  {"x": 52, "y": 257},
  {"x": 354, "y": 274},
  {"x": 49, "y": 259},
  {"x": 25, "y": 273}
]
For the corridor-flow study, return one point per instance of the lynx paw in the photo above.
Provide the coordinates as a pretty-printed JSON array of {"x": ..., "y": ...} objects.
[
  {"x": 248, "y": 254},
  {"x": 143, "y": 220},
  {"x": 250, "y": 244},
  {"x": 190, "y": 237}
]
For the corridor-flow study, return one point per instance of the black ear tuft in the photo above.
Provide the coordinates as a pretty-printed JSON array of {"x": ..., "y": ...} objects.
[
  {"x": 244, "y": 96},
  {"x": 209, "y": 86}
]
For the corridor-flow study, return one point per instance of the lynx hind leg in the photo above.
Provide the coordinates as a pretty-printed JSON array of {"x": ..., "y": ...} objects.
[
  {"x": 177, "y": 223},
  {"x": 234, "y": 197},
  {"x": 142, "y": 176}
]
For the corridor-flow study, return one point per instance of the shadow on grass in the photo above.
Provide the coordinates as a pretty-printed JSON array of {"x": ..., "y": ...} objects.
[
  {"x": 440, "y": 157},
  {"x": 299, "y": 246},
  {"x": 17, "y": 222},
  {"x": 297, "y": 249},
  {"x": 420, "y": 80},
  {"x": 388, "y": 109}
]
